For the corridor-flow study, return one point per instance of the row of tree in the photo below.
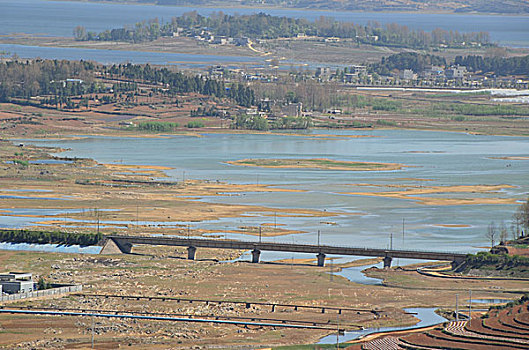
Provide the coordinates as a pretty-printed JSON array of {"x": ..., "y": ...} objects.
[
  {"x": 500, "y": 66},
  {"x": 264, "y": 26},
  {"x": 24, "y": 79},
  {"x": 406, "y": 60},
  {"x": 519, "y": 227},
  {"x": 495, "y": 65},
  {"x": 61, "y": 79},
  {"x": 49, "y": 237},
  {"x": 177, "y": 82},
  {"x": 257, "y": 122}
]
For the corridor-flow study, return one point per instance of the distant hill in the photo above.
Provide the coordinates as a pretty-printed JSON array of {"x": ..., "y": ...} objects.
[{"x": 455, "y": 6}]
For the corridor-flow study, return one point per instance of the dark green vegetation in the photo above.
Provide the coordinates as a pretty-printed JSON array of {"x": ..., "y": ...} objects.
[
  {"x": 406, "y": 60},
  {"x": 180, "y": 83},
  {"x": 157, "y": 126},
  {"x": 500, "y": 66},
  {"x": 257, "y": 122},
  {"x": 458, "y": 111},
  {"x": 43, "y": 284},
  {"x": 495, "y": 65},
  {"x": 250, "y": 122},
  {"x": 49, "y": 237},
  {"x": 488, "y": 263},
  {"x": 498, "y": 259},
  {"x": 195, "y": 124},
  {"x": 263, "y": 26},
  {"x": 61, "y": 80}
]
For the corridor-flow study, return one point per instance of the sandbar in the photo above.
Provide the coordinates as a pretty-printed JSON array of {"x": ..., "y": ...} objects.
[
  {"x": 415, "y": 193},
  {"x": 317, "y": 163},
  {"x": 512, "y": 158}
]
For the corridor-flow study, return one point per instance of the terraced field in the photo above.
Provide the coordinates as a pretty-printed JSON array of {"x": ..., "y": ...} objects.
[{"x": 499, "y": 329}]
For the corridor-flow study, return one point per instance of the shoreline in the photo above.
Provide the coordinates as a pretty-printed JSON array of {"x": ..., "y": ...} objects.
[
  {"x": 314, "y": 163},
  {"x": 190, "y": 6}
]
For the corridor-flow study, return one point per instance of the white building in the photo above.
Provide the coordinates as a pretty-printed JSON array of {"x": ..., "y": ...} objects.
[{"x": 16, "y": 282}]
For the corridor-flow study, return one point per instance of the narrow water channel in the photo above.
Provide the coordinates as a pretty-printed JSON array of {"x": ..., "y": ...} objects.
[{"x": 427, "y": 317}]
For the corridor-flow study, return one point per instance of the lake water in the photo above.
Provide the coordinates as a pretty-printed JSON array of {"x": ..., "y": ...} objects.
[
  {"x": 135, "y": 57},
  {"x": 426, "y": 316},
  {"x": 50, "y": 248},
  {"x": 444, "y": 159},
  {"x": 58, "y": 18}
]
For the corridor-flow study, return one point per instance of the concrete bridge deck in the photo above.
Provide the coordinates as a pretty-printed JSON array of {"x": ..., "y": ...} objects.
[{"x": 123, "y": 244}]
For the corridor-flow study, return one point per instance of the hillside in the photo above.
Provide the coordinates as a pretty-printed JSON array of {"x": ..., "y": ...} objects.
[{"x": 456, "y": 6}]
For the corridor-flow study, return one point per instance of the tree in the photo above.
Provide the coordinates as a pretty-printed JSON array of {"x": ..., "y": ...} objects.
[
  {"x": 42, "y": 284},
  {"x": 491, "y": 233},
  {"x": 79, "y": 33},
  {"x": 521, "y": 218},
  {"x": 503, "y": 233}
]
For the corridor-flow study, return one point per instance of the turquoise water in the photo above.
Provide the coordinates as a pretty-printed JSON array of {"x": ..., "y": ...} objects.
[
  {"x": 61, "y": 17},
  {"x": 357, "y": 220}
]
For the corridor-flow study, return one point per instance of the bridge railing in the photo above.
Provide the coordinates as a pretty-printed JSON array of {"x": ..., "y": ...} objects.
[{"x": 183, "y": 241}]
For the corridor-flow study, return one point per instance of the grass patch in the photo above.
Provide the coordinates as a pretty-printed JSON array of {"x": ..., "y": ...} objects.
[{"x": 327, "y": 164}]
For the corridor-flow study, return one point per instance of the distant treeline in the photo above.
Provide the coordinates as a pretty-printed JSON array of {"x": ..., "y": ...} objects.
[
  {"x": 49, "y": 237},
  {"x": 496, "y": 65},
  {"x": 24, "y": 79},
  {"x": 406, "y": 60},
  {"x": 181, "y": 83},
  {"x": 60, "y": 79},
  {"x": 264, "y": 26},
  {"x": 257, "y": 122},
  {"x": 499, "y": 66}
]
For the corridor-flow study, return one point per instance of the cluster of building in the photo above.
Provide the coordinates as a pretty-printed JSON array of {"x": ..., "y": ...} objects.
[
  {"x": 206, "y": 36},
  {"x": 17, "y": 282},
  {"x": 431, "y": 75},
  {"x": 435, "y": 72}
]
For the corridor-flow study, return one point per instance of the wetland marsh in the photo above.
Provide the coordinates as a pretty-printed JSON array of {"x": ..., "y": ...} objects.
[{"x": 451, "y": 186}]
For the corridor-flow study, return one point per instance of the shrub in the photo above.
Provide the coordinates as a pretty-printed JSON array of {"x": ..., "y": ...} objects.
[{"x": 195, "y": 124}]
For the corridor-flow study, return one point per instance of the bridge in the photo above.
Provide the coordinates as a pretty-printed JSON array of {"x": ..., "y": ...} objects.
[{"x": 123, "y": 244}]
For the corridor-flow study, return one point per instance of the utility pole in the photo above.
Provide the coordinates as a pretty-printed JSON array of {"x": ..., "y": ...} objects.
[
  {"x": 137, "y": 214},
  {"x": 337, "y": 330},
  {"x": 391, "y": 241},
  {"x": 260, "y": 233},
  {"x": 330, "y": 268},
  {"x": 318, "y": 238},
  {"x": 97, "y": 212},
  {"x": 457, "y": 307},
  {"x": 92, "y": 332},
  {"x": 469, "y": 306},
  {"x": 403, "y": 233}
]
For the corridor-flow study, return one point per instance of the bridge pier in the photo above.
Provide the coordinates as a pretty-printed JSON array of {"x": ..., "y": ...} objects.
[
  {"x": 256, "y": 253},
  {"x": 387, "y": 262},
  {"x": 115, "y": 246},
  {"x": 321, "y": 259},
  {"x": 191, "y": 252}
]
